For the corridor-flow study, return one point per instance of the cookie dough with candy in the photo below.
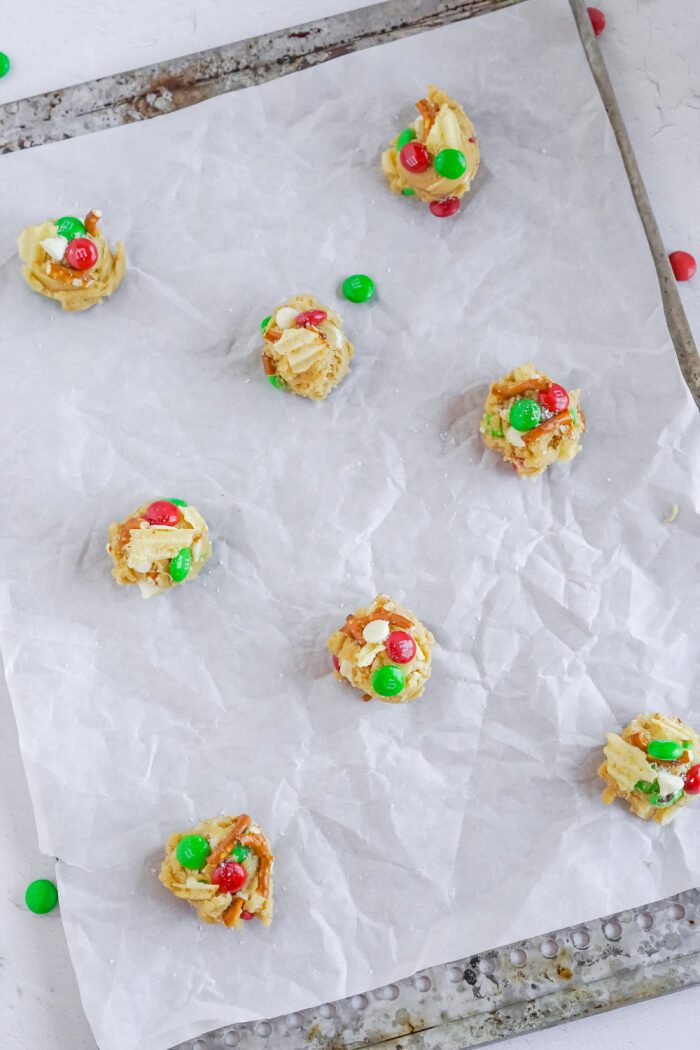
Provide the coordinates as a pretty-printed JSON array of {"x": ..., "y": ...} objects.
[
  {"x": 384, "y": 651},
  {"x": 532, "y": 421},
  {"x": 161, "y": 544},
  {"x": 304, "y": 348},
  {"x": 436, "y": 157},
  {"x": 653, "y": 766},
  {"x": 70, "y": 260},
  {"x": 223, "y": 868}
]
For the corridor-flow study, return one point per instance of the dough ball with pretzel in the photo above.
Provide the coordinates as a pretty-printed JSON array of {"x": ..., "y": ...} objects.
[
  {"x": 384, "y": 651},
  {"x": 160, "y": 545},
  {"x": 223, "y": 868},
  {"x": 653, "y": 766},
  {"x": 436, "y": 157},
  {"x": 304, "y": 349},
  {"x": 532, "y": 421},
  {"x": 71, "y": 261}
]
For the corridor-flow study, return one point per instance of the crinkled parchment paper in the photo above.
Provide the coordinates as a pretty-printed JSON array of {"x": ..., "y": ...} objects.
[{"x": 404, "y": 836}]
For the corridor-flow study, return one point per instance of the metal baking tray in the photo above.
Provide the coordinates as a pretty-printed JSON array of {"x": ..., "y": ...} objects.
[{"x": 517, "y": 988}]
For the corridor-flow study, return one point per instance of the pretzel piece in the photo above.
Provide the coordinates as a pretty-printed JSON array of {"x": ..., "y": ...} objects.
[
  {"x": 272, "y": 335},
  {"x": 640, "y": 738},
  {"x": 560, "y": 418},
  {"x": 505, "y": 390},
  {"x": 353, "y": 627},
  {"x": 428, "y": 112},
  {"x": 65, "y": 274},
  {"x": 268, "y": 365},
  {"x": 262, "y": 851},
  {"x": 233, "y": 912},
  {"x": 91, "y": 220},
  {"x": 226, "y": 845}
]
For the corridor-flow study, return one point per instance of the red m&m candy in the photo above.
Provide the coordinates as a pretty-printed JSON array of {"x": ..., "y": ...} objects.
[
  {"x": 230, "y": 877},
  {"x": 692, "y": 781},
  {"x": 683, "y": 265},
  {"x": 162, "y": 513},
  {"x": 247, "y": 915},
  {"x": 446, "y": 207},
  {"x": 336, "y": 663},
  {"x": 310, "y": 317},
  {"x": 554, "y": 398},
  {"x": 81, "y": 254},
  {"x": 401, "y": 647},
  {"x": 415, "y": 157},
  {"x": 597, "y": 19}
]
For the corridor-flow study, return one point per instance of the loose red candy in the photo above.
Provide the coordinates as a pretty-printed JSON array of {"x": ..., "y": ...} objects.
[
  {"x": 230, "y": 877},
  {"x": 310, "y": 317},
  {"x": 247, "y": 915},
  {"x": 415, "y": 157},
  {"x": 162, "y": 513},
  {"x": 81, "y": 253},
  {"x": 336, "y": 662},
  {"x": 683, "y": 265},
  {"x": 597, "y": 19},
  {"x": 692, "y": 781},
  {"x": 446, "y": 207},
  {"x": 401, "y": 647},
  {"x": 554, "y": 398}
]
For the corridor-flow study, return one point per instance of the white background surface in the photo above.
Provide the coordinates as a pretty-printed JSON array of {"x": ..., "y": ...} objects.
[{"x": 651, "y": 49}]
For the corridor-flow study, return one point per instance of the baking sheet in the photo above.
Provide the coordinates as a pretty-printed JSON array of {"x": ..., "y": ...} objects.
[{"x": 404, "y": 836}]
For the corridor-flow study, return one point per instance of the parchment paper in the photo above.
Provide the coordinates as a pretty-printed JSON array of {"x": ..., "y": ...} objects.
[{"x": 404, "y": 836}]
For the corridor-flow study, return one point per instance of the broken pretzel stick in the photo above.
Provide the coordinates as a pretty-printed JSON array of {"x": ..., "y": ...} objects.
[
  {"x": 354, "y": 626},
  {"x": 272, "y": 335},
  {"x": 226, "y": 845},
  {"x": 233, "y": 912},
  {"x": 640, "y": 738},
  {"x": 64, "y": 274},
  {"x": 262, "y": 851},
  {"x": 428, "y": 112},
  {"x": 268, "y": 365},
  {"x": 560, "y": 419},
  {"x": 91, "y": 220},
  {"x": 505, "y": 390}
]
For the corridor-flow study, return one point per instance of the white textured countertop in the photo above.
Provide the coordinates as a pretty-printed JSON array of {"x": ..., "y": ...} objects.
[{"x": 652, "y": 49}]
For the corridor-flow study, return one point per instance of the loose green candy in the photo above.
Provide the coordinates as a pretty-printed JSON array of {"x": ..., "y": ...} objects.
[
  {"x": 278, "y": 382},
  {"x": 647, "y": 787},
  {"x": 408, "y": 193},
  {"x": 666, "y": 750},
  {"x": 450, "y": 163},
  {"x": 180, "y": 565},
  {"x": 240, "y": 852},
  {"x": 70, "y": 227},
  {"x": 41, "y": 896},
  {"x": 406, "y": 136},
  {"x": 388, "y": 680},
  {"x": 358, "y": 288},
  {"x": 192, "y": 851},
  {"x": 4, "y": 64},
  {"x": 177, "y": 502},
  {"x": 573, "y": 412},
  {"x": 265, "y": 322},
  {"x": 524, "y": 414}
]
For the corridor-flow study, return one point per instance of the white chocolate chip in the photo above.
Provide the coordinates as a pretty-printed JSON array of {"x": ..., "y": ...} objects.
[
  {"x": 55, "y": 247},
  {"x": 515, "y": 437},
  {"x": 147, "y": 587},
  {"x": 333, "y": 334},
  {"x": 376, "y": 631},
  {"x": 285, "y": 317},
  {"x": 367, "y": 654},
  {"x": 345, "y": 668},
  {"x": 668, "y": 783}
]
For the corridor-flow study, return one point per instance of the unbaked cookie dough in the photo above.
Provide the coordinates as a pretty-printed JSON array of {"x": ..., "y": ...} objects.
[
  {"x": 71, "y": 261},
  {"x": 158, "y": 546},
  {"x": 436, "y": 157},
  {"x": 223, "y": 868},
  {"x": 653, "y": 765},
  {"x": 304, "y": 349},
  {"x": 532, "y": 421},
  {"x": 384, "y": 651}
]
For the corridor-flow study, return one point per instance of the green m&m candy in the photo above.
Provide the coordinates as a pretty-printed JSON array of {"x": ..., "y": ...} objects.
[
  {"x": 69, "y": 227},
  {"x": 647, "y": 787},
  {"x": 406, "y": 136},
  {"x": 265, "y": 322},
  {"x": 408, "y": 192},
  {"x": 177, "y": 502},
  {"x": 41, "y": 896},
  {"x": 661, "y": 802},
  {"x": 388, "y": 680},
  {"x": 180, "y": 565},
  {"x": 192, "y": 851},
  {"x": 240, "y": 852},
  {"x": 278, "y": 382},
  {"x": 4, "y": 64},
  {"x": 450, "y": 163},
  {"x": 665, "y": 750},
  {"x": 524, "y": 414},
  {"x": 358, "y": 288}
]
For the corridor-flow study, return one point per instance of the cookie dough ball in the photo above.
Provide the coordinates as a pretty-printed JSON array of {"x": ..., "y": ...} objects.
[
  {"x": 158, "y": 546},
  {"x": 436, "y": 157},
  {"x": 532, "y": 421},
  {"x": 304, "y": 349},
  {"x": 384, "y": 651},
  {"x": 223, "y": 868},
  {"x": 71, "y": 261},
  {"x": 652, "y": 764}
]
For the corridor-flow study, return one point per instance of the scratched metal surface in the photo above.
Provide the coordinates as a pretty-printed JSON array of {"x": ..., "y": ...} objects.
[
  {"x": 517, "y": 988},
  {"x": 560, "y": 976}
]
